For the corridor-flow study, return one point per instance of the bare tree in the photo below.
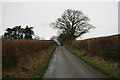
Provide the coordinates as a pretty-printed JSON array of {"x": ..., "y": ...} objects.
[{"x": 72, "y": 22}]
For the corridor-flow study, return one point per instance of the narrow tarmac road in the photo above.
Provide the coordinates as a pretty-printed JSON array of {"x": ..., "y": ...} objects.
[{"x": 65, "y": 65}]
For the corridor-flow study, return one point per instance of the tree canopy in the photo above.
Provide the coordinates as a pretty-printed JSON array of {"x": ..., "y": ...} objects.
[
  {"x": 18, "y": 32},
  {"x": 73, "y": 23}
]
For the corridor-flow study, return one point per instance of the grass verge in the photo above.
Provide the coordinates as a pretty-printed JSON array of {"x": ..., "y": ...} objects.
[
  {"x": 110, "y": 71},
  {"x": 39, "y": 71}
]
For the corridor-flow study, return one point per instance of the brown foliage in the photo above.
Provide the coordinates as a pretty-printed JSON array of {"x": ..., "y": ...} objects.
[
  {"x": 24, "y": 54},
  {"x": 106, "y": 47}
]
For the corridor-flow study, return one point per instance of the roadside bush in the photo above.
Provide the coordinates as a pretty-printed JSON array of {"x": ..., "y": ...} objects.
[
  {"x": 17, "y": 53},
  {"x": 106, "y": 47}
]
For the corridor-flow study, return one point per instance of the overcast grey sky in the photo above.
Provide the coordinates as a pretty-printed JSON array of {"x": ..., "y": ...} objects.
[{"x": 103, "y": 15}]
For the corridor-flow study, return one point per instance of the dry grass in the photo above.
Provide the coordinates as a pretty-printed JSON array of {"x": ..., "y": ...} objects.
[
  {"x": 21, "y": 57},
  {"x": 102, "y": 52},
  {"x": 100, "y": 60}
]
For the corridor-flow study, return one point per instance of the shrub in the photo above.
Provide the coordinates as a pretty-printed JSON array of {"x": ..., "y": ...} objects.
[
  {"x": 16, "y": 53},
  {"x": 106, "y": 47}
]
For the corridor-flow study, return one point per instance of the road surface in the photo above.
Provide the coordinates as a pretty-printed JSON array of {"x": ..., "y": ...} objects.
[{"x": 65, "y": 65}]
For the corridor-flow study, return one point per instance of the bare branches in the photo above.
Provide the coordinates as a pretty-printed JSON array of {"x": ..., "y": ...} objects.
[{"x": 73, "y": 22}]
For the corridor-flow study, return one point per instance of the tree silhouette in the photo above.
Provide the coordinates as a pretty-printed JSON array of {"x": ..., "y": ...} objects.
[
  {"x": 8, "y": 34},
  {"x": 73, "y": 23},
  {"x": 28, "y": 32},
  {"x": 18, "y": 32},
  {"x": 64, "y": 37}
]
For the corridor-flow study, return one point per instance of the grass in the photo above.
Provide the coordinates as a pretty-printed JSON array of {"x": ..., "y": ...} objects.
[
  {"x": 110, "y": 71},
  {"x": 39, "y": 71},
  {"x": 76, "y": 52}
]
